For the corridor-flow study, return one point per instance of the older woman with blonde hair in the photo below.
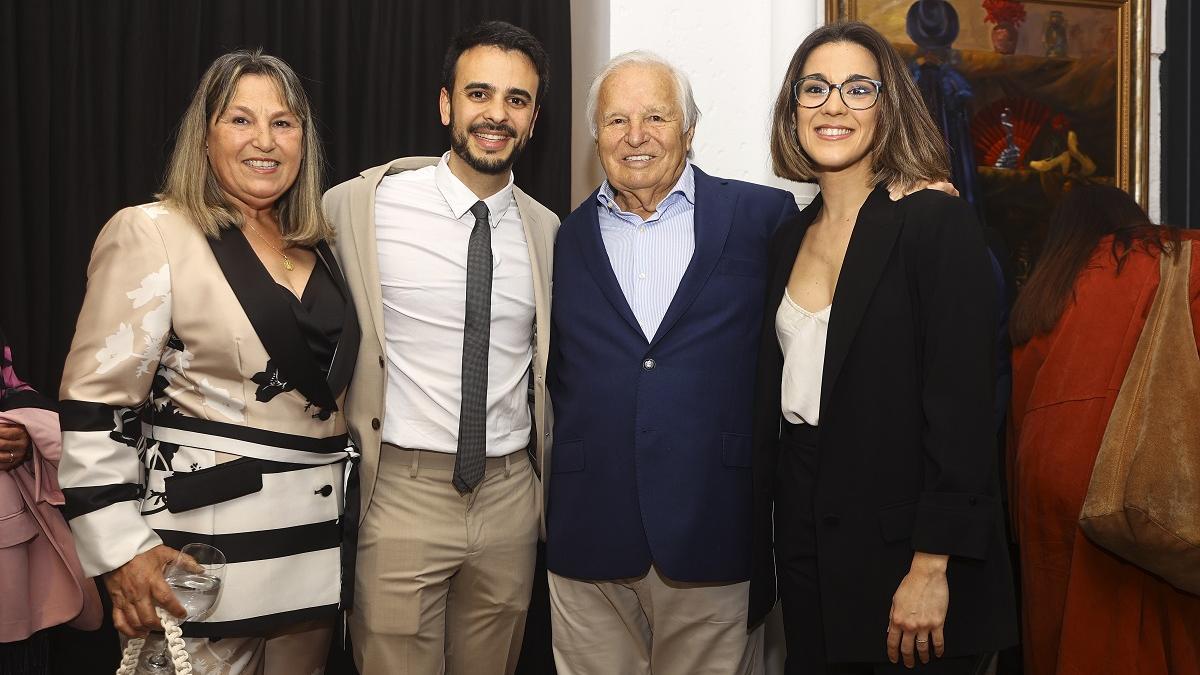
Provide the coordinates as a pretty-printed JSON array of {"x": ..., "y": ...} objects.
[
  {"x": 875, "y": 467},
  {"x": 201, "y": 396}
]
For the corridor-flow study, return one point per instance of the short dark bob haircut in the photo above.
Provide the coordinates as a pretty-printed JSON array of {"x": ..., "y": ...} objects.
[{"x": 909, "y": 149}]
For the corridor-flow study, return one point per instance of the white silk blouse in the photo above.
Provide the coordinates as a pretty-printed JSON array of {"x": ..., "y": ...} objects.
[{"x": 801, "y": 336}]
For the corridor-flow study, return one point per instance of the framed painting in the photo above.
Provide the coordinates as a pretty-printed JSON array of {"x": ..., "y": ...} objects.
[{"x": 1056, "y": 91}]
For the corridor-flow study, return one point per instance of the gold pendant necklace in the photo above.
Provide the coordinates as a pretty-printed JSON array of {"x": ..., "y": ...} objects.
[{"x": 287, "y": 262}]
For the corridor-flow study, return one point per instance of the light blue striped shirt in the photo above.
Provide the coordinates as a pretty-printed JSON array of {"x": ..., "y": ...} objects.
[{"x": 650, "y": 256}]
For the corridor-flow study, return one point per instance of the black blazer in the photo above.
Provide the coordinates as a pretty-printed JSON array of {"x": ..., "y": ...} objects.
[{"x": 906, "y": 437}]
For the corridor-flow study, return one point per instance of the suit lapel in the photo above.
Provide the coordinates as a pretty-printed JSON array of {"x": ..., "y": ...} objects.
[
  {"x": 870, "y": 247},
  {"x": 782, "y": 261},
  {"x": 362, "y": 230},
  {"x": 271, "y": 317},
  {"x": 595, "y": 256},
  {"x": 713, "y": 216},
  {"x": 346, "y": 352},
  {"x": 538, "y": 259}
]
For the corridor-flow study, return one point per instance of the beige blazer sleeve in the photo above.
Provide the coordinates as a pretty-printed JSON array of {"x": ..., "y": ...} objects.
[{"x": 119, "y": 339}]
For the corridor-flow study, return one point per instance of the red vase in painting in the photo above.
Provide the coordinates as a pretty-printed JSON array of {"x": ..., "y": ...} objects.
[{"x": 1004, "y": 38}]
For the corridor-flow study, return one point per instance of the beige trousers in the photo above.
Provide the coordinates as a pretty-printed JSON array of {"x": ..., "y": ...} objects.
[
  {"x": 296, "y": 650},
  {"x": 443, "y": 579},
  {"x": 652, "y": 625}
]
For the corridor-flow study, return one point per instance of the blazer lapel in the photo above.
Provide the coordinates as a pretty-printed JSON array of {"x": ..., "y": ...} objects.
[
  {"x": 271, "y": 317},
  {"x": 782, "y": 261},
  {"x": 713, "y": 216},
  {"x": 871, "y": 245},
  {"x": 595, "y": 256},
  {"x": 362, "y": 231},
  {"x": 539, "y": 258},
  {"x": 346, "y": 352}
]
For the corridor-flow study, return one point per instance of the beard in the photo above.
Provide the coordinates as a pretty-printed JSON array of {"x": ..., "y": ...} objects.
[{"x": 460, "y": 144}]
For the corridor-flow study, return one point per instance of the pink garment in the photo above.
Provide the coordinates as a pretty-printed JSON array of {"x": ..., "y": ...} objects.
[{"x": 41, "y": 581}]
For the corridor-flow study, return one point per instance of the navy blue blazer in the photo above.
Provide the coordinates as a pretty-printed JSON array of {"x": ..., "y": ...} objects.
[{"x": 652, "y": 450}]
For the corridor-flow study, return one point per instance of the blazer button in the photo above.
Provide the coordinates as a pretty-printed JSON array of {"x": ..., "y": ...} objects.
[
  {"x": 831, "y": 520},
  {"x": 375, "y": 424},
  {"x": 648, "y": 364},
  {"x": 381, "y": 360}
]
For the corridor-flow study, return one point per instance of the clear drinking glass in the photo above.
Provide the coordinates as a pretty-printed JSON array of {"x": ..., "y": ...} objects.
[{"x": 195, "y": 579}]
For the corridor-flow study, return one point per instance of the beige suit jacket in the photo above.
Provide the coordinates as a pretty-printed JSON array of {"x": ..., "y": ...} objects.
[{"x": 351, "y": 208}]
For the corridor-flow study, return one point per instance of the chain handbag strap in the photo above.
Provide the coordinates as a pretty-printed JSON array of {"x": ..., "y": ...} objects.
[{"x": 175, "y": 647}]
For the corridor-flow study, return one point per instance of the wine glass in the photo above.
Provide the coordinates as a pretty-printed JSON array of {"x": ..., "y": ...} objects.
[{"x": 195, "y": 579}]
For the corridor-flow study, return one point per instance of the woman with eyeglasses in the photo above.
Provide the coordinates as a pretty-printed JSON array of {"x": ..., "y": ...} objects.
[{"x": 874, "y": 437}]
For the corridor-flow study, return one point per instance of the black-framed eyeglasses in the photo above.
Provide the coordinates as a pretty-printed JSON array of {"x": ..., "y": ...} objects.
[{"x": 858, "y": 93}]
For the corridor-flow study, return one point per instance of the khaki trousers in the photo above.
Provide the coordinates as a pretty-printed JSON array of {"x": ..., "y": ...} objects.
[
  {"x": 652, "y": 625},
  {"x": 443, "y": 579}
]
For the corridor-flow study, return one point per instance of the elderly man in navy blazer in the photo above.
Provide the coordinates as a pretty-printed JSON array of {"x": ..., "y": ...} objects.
[{"x": 658, "y": 298}]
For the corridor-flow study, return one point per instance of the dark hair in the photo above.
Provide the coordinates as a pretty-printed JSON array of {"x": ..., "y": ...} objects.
[
  {"x": 1085, "y": 215},
  {"x": 909, "y": 149},
  {"x": 505, "y": 36}
]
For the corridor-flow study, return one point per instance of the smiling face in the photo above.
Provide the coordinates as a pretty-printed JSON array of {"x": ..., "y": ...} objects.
[
  {"x": 255, "y": 146},
  {"x": 836, "y": 138},
  {"x": 492, "y": 110},
  {"x": 640, "y": 137}
]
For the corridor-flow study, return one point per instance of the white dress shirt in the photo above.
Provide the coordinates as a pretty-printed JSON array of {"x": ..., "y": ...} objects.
[
  {"x": 801, "y": 336},
  {"x": 422, "y": 225},
  {"x": 649, "y": 257}
]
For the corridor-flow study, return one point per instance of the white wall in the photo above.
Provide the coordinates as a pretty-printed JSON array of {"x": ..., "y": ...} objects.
[
  {"x": 1158, "y": 44},
  {"x": 735, "y": 55}
]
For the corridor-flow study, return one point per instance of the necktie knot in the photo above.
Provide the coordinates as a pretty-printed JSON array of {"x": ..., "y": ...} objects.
[{"x": 480, "y": 211}]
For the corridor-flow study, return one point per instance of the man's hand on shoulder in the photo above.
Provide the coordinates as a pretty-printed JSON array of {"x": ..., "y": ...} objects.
[{"x": 899, "y": 192}]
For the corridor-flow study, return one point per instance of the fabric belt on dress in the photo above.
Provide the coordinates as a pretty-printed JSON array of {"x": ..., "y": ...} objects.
[{"x": 244, "y": 476}]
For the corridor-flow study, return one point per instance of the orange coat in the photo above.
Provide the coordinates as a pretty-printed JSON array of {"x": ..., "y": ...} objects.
[{"x": 1085, "y": 610}]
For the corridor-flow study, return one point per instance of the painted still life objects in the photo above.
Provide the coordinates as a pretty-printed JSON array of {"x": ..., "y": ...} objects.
[
  {"x": 1007, "y": 15},
  {"x": 1011, "y": 153},
  {"x": 1063, "y": 160},
  {"x": 1054, "y": 37},
  {"x": 1026, "y": 119}
]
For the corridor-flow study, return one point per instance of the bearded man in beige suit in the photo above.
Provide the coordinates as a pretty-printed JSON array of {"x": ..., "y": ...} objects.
[{"x": 449, "y": 264}]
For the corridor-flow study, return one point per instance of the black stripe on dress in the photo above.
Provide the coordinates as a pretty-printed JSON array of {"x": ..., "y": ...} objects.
[
  {"x": 84, "y": 500},
  {"x": 276, "y": 439},
  {"x": 240, "y": 547},
  {"x": 86, "y": 416}
]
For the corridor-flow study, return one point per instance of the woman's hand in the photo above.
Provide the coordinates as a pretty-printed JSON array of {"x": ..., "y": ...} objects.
[
  {"x": 137, "y": 586},
  {"x": 898, "y": 192},
  {"x": 919, "y": 610},
  {"x": 14, "y": 446}
]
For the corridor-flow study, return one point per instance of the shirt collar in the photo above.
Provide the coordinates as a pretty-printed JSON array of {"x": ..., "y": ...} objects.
[
  {"x": 685, "y": 187},
  {"x": 460, "y": 199}
]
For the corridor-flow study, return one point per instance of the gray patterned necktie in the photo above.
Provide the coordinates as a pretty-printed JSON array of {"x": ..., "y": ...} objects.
[{"x": 477, "y": 333}]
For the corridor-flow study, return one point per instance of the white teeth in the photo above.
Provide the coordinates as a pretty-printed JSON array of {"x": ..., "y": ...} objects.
[
  {"x": 833, "y": 132},
  {"x": 262, "y": 163},
  {"x": 491, "y": 137},
  {"x": 638, "y": 158}
]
